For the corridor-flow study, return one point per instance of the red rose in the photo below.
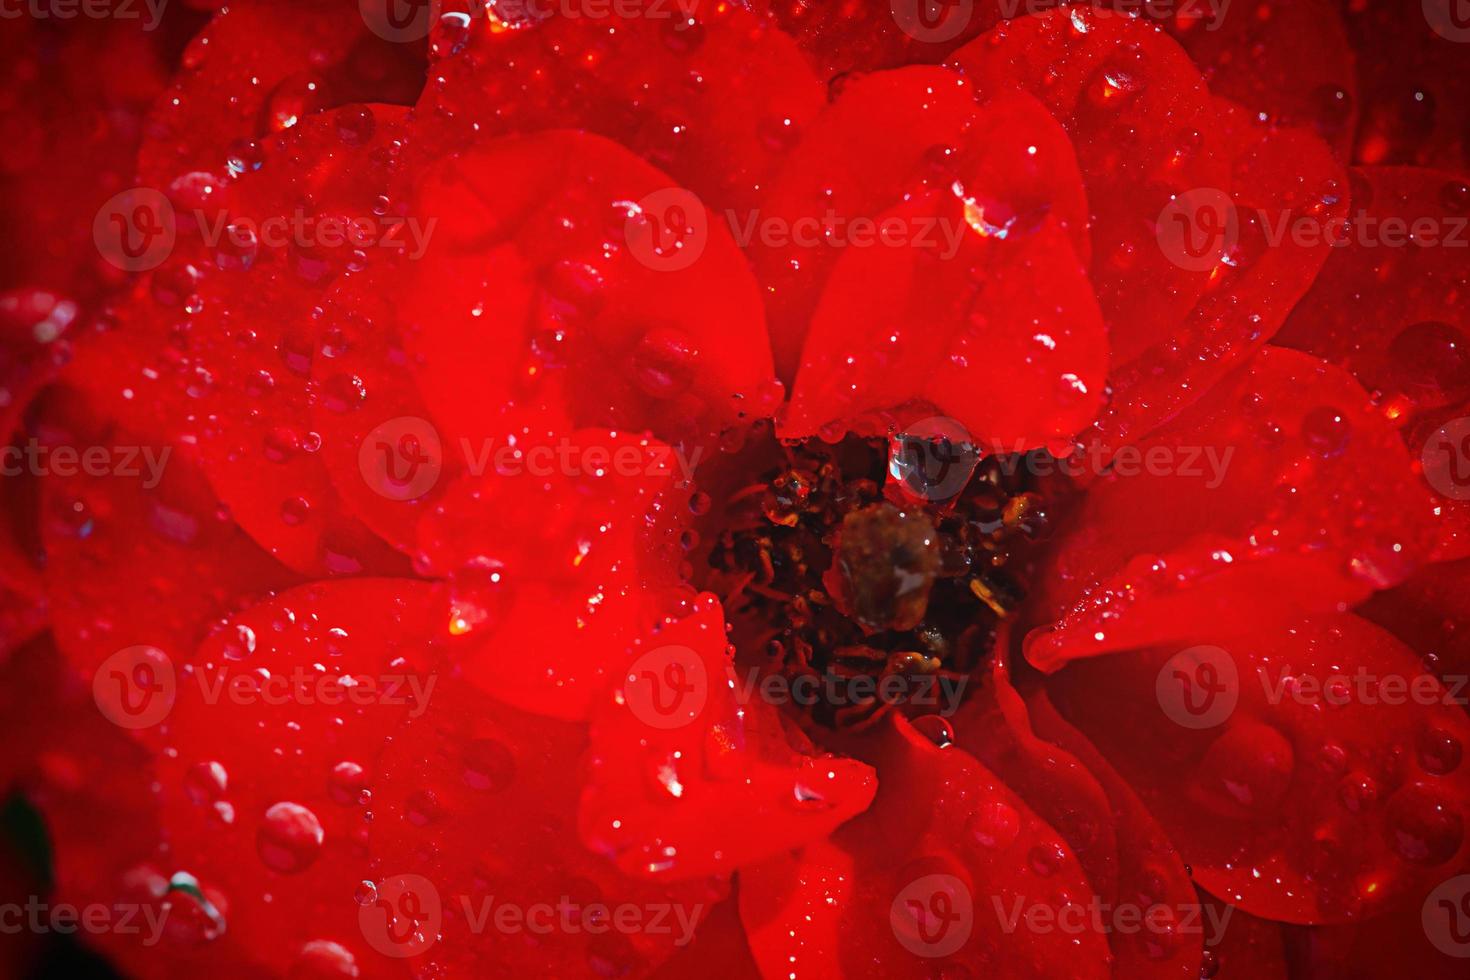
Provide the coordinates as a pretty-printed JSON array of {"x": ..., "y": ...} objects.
[{"x": 660, "y": 489}]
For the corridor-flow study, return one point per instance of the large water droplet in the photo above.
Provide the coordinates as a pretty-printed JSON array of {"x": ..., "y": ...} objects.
[{"x": 289, "y": 838}]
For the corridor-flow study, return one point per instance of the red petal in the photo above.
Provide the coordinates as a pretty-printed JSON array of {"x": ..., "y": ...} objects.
[
  {"x": 1249, "y": 949},
  {"x": 479, "y": 800},
  {"x": 884, "y": 136},
  {"x": 582, "y": 316},
  {"x": 557, "y": 556},
  {"x": 685, "y": 779},
  {"x": 1288, "y": 193},
  {"x": 732, "y": 92},
  {"x": 1393, "y": 310},
  {"x": 995, "y": 325},
  {"x": 1145, "y": 131},
  {"x": 141, "y": 559},
  {"x": 262, "y": 797},
  {"x": 994, "y": 726},
  {"x": 1152, "y": 874},
  {"x": 1415, "y": 116},
  {"x": 260, "y": 68},
  {"x": 73, "y": 103},
  {"x": 719, "y": 950},
  {"x": 1429, "y": 613},
  {"x": 258, "y": 334},
  {"x": 856, "y": 36},
  {"x": 92, "y": 785},
  {"x": 1423, "y": 939},
  {"x": 1287, "y": 58},
  {"x": 1279, "y": 492},
  {"x": 929, "y": 879},
  {"x": 1309, "y": 774},
  {"x": 387, "y": 462}
]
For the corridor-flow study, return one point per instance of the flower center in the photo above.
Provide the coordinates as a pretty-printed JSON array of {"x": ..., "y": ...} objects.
[{"x": 872, "y": 576}]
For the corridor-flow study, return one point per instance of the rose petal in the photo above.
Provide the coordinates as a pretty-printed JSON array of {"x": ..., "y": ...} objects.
[
  {"x": 278, "y": 724},
  {"x": 732, "y": 91},
  {"x": 685, "y": 780},
  {"x": 1288, "y": 195},
  {"x": 545, "y": 552},
  {"x": 260, "y": 68},
  {"x": 1145, "y": 130},
  {"x": 583, "y": 319},
  {"x": 1307, "y": 774},
  {"x": 884, "y": 136},
  {"x": 1390, "y": 305},
  {"x": 479, "y": 800},
  {"x": 1279, "y": 492},
  {"x": 940, "y": 873}
]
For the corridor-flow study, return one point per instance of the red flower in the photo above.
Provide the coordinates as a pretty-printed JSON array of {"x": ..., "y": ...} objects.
[{"x": 804, "y": 490}]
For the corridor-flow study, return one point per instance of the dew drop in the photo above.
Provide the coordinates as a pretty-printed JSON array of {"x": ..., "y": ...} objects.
[{"x": 289, "y": 838}]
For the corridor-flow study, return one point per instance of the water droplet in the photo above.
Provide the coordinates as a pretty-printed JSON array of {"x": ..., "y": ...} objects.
[
  {"x": 244, "y": 156},
  {"x": 289, "y": 838},
  {"x": 1423, "y": 828},
  {"x": 488, "y": 765},
  {"x": 1045, "y": 859},
  {"x": 1357, "y": 792},
  {"x": 478, "y": 595},
  {"x": 1439, "y": 750},
  {"x": 422, "y": 808},
  {"x": 1430, "y": 362},
  {"x": 935, "y": 729},
  {"x": 355, "y": 124},
  {"x": 1326, "y": 431},
  {"x": 237, "y": 642},
  {"x": 322, "y": 959},
  {"x": 295, "y": 511},
  {"x": 995, "y": 825},
  {"x": 205, "y": 782},
  {"x": 347, "y": 783},
  {"x": 663, "y": 362}
]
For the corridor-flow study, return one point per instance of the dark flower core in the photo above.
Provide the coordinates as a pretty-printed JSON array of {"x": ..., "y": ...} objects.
[{"x": 871, "y": 570}]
